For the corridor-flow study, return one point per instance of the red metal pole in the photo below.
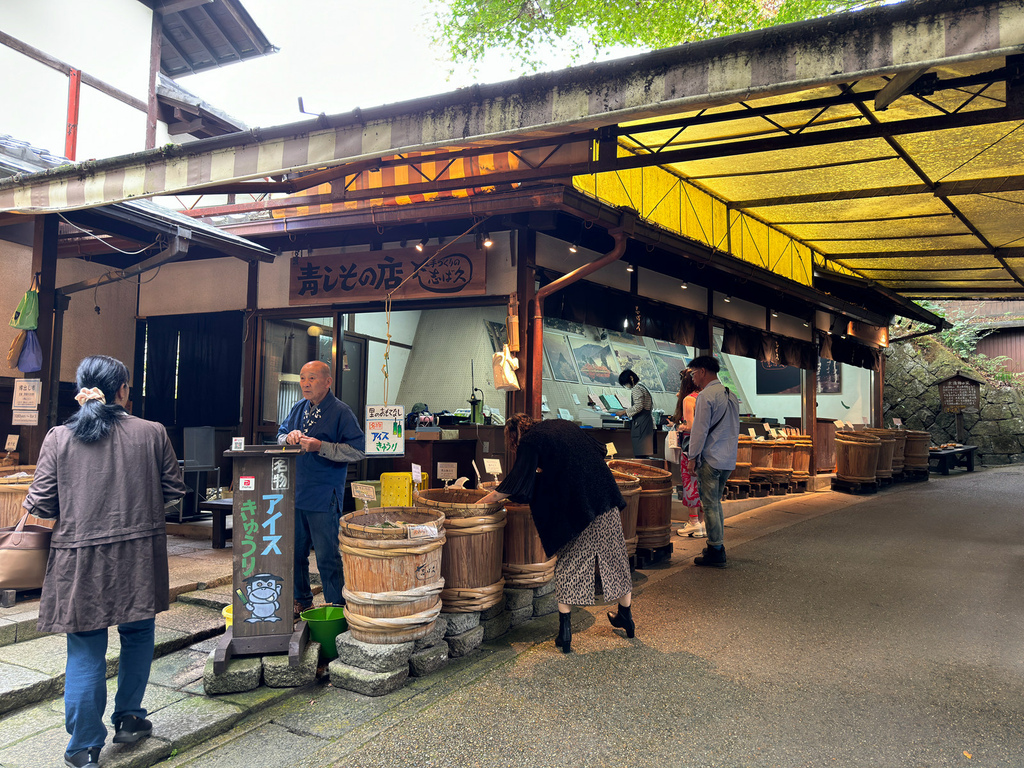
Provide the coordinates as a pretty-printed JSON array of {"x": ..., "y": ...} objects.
[{"x": 74, "y": 94}]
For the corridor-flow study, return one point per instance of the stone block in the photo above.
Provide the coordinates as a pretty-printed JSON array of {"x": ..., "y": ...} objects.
[
  {"x": 194, "y": 719},
  {"x": 27, "y": 630},
  {"x": 434, "y": 636},
  {"x": 372, "y": 657},
  {"x": 542, "y": 606},
  {"x": 519, "y": 616},
  {"x": 279, "y": 673},
  {"x": 365, "y": 682},
  {"x": 460, "y": 645},
  {"x": 459, "y": 623},
  {"x": 20, "y": 687},
  {"x": 428, "y": 660},
  {"x": 8, "y": 632},
  {"x": 544, "y": 589},
  {"x": 518, "y": 598},
  {"x": 497, "y": 626},
  {"x": 495, "y": 610},
  {"x": 239, "y": 675}
]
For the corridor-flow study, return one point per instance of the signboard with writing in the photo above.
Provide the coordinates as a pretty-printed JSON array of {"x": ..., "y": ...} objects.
[
  {"x": 958, "y": 394},
  {"x": 459, "y": 270},
  {"x": 263, "y": 540},
  {"x": 385, "y": 430}
]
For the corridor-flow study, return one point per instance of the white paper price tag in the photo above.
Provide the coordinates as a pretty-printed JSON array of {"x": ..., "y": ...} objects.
[
  {"x": 12, "y": 443},
  {"x": 417, "y": 474},
  {"x": 897, "y": 422},
  {"x": 752, "y": 432},
  {"x": 447, "y": 470},
  {"x": 610, "y": 447},
  {"x": 364, "y": 491},
  {"x": 492, "y": 466}
]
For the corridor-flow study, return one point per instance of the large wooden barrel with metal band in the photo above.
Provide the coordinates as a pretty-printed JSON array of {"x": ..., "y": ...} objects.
[
  {"x": 654, "y": 513},
  {"x": 856, "y": 456},
  {"x": 392, "y": 562}
]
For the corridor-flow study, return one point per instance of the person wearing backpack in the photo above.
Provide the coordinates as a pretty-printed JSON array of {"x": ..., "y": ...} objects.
[{"x": 714, "y": 441}]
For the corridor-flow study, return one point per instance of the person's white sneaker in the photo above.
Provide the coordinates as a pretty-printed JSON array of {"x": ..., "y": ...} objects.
[{"x": 693, "y": 530}]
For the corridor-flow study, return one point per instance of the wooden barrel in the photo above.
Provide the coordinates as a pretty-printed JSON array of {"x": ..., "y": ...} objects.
[
  {"x": 629, "y": 487},
  {"x": 741, "y": 474},
  {"x": 856, "y": 456},
  {"x": 761, "y": 458},
  {"x": 782, "y": 459},
  {"x": 886, "y": 451},
  {"x": 803, "y": 455},
  {"x": 523, "y": 562},
  {"x": 393, "y": 577},
  {"x": 654, "y": 513},
  {"x": 472, "y": 555},
  {"x": 744, "y": 450},
  {"x": 915, "y": 452},
  {"x": 900, "y": 436}
]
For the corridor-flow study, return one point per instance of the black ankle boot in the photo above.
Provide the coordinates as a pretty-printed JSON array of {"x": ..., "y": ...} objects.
[
  {"x": 564, "y": 638},
  {"x": 624, "y": 620}
]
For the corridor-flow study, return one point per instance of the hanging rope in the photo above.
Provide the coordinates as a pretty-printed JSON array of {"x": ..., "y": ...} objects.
[{"x": 391, "y": 293}]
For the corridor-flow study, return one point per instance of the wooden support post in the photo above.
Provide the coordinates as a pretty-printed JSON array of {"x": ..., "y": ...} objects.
[{"x": 44, "y": 264}]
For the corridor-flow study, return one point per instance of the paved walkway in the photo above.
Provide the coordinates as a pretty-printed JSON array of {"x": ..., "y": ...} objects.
[{"x": 847, "y": 631}]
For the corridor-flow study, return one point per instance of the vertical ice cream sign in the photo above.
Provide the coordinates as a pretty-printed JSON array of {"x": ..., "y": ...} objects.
[
  {"x": 259, "y": 528},
  {"x": 385, "y": 430}
]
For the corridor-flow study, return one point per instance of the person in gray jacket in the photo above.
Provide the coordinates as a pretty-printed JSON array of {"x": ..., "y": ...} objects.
[
  {"x": 106, "y": 477},
  {"x": 714, "y": 443}
]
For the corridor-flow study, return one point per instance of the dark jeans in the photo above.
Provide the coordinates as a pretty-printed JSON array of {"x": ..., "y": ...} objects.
[
  {"x": 319, "y": 530},
  {"x": 85, "y": 683},
  {"x": 712, "y": 487}
]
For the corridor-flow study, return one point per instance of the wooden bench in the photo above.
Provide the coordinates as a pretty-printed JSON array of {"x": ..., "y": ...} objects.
[
  {"x": 945, "y": 458},
  {"x": 221, "y": 511}
]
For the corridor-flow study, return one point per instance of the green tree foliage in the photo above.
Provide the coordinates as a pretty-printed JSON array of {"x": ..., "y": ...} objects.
[{"x": 468, "y": 29}]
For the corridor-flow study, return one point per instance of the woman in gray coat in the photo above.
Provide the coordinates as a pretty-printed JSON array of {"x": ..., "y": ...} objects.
[{"x": 105, "y": 476}]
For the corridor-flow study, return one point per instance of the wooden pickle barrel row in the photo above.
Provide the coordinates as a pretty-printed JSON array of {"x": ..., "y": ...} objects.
[
  {"x": 393, "y": 582},
  {"x": 915, "y": 454}
]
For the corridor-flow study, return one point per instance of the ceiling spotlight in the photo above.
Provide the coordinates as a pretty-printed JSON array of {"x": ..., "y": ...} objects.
[
  {"x": 487, "y": 240},
  {"x": 629, "y": 267},
  {"x": 573, "y": 248},
  {"x": 728, "y": 299},
  {"x": 775, "y": 313},
  {"x": 684, "y": 286},
  {"x": 421, "y": 243},
  {"x": 806, "y": 324}
]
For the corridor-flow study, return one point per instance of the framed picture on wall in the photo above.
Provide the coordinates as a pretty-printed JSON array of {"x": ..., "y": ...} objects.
[
  {"x": 669, "y": 367},
  {"x": 563, "y": 366},
  {"x": 830, "y": 377},
  {"x": 639, "y": 361},
  {"x": 775, "y": 379},
  {"x": 546, "y": 366},
  {"x": 596, "y": 362}
]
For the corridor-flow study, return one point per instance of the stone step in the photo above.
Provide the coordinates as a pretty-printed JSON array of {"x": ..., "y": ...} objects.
[{"x": 33, "y": 670}]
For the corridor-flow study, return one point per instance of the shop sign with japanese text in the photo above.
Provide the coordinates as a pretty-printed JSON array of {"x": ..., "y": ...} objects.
[
  {"x": 385, "y": 435},
  {"x": 459, "y": 270}
]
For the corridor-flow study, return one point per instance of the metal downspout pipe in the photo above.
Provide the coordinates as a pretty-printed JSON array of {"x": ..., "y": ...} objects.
[{"x": 536, "y": 340}]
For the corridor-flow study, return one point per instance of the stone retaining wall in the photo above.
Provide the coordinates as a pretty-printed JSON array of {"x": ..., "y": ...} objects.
[{"x": 912, "y": 370}]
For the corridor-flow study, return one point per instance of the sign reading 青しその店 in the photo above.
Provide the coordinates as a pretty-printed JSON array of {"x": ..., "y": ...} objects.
[
  {"x": 385, "y": 430},
  {"x": 457, "y": 269}
]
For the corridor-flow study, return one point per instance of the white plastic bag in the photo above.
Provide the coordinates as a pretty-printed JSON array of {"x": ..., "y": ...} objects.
[{"x": 505, "y": 367}]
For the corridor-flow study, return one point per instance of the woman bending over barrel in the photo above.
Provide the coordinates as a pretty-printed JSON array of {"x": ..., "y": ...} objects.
[{"x": 559, "y": 470}]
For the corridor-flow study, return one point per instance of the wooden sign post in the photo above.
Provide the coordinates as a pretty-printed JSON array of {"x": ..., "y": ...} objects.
[
  {"x": 263, "y": 540},
  {"x": 957, "y": 394}
]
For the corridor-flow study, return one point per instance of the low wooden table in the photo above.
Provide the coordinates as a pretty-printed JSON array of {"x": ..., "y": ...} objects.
[
  {"x": 953, "y": 457},
  {"x": 221, "y": 511}
]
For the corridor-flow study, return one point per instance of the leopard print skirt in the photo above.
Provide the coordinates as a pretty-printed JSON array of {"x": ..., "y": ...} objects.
[{"x": 600, "y": 543}]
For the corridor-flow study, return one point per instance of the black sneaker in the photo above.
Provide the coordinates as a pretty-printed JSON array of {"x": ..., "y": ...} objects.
[
  {"x": 132, "y": 729},
  {"x": 83, "y": 757},
  {"x": 713, "y": 556}
]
